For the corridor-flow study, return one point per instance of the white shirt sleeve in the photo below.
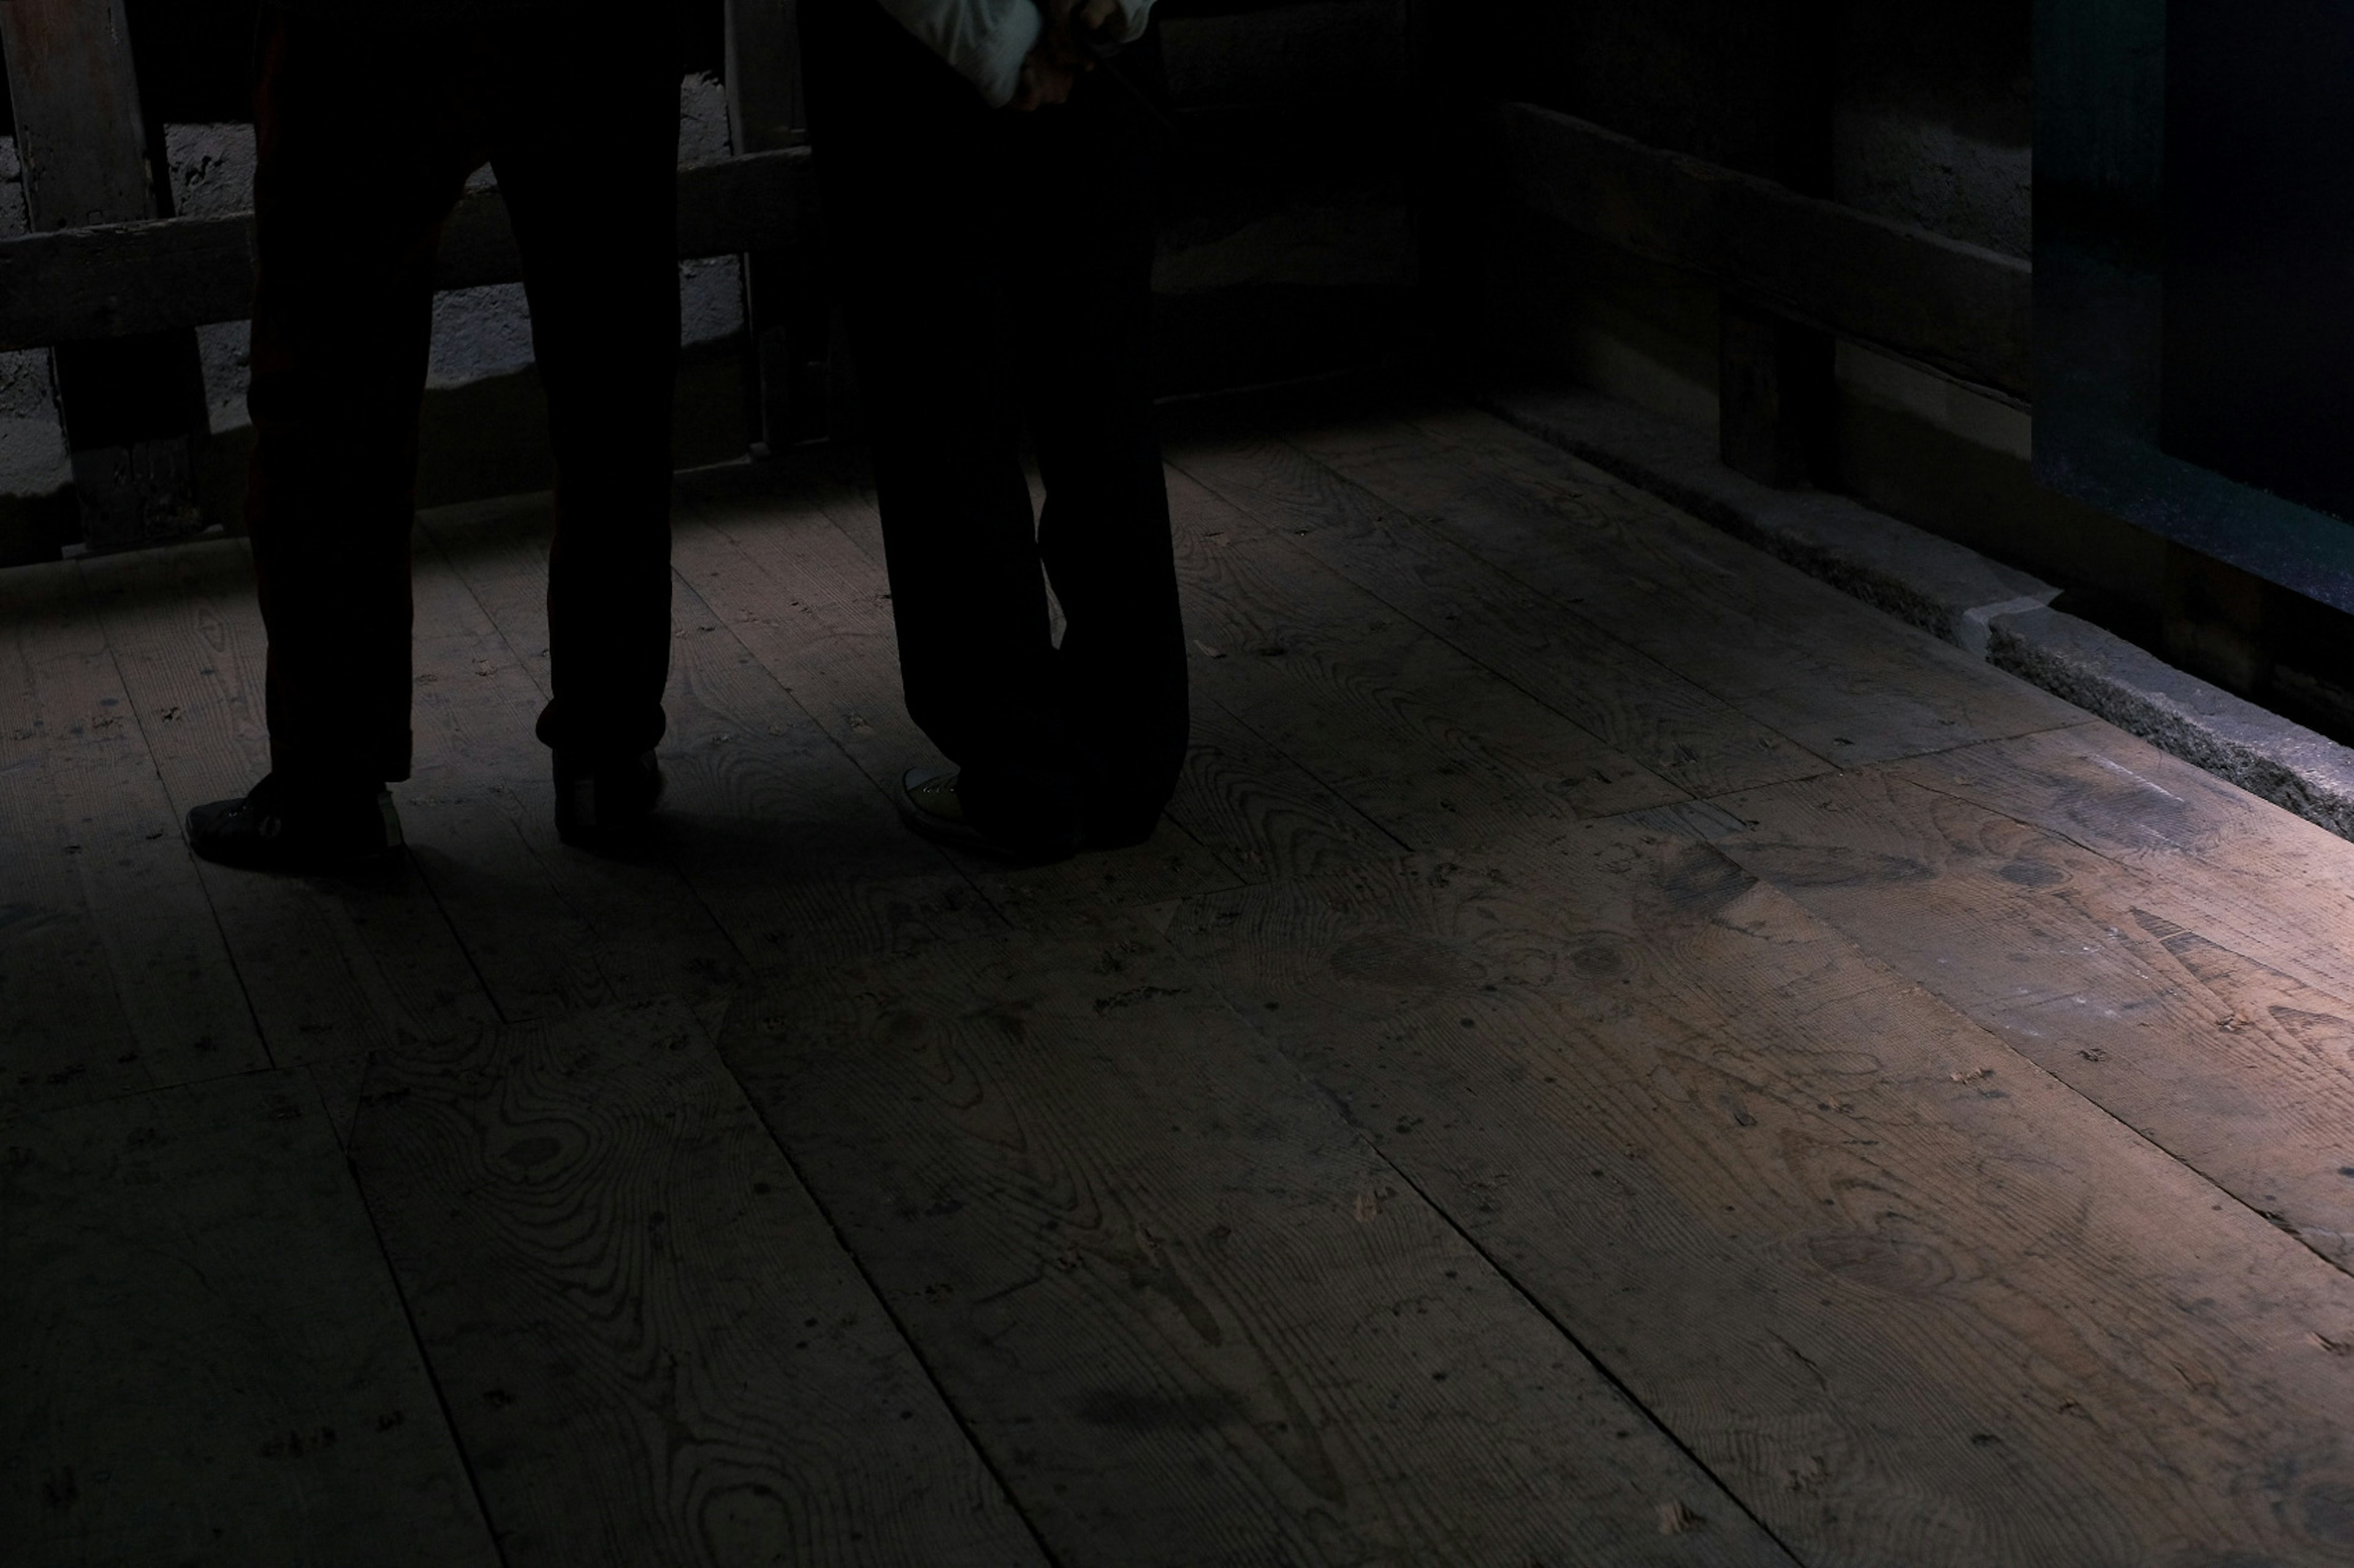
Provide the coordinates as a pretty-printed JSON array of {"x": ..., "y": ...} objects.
[
  {"x": 985, "y": 40},
  {"x": 1133, "y": 15}
]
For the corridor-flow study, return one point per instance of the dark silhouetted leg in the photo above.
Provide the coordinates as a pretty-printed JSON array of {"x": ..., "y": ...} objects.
[
  {"x": 954, "y": 229},
  {"x": 1104, "y": 534},
  {"x": 587, "y": 156},
  {"x": 364, "y": 141}
]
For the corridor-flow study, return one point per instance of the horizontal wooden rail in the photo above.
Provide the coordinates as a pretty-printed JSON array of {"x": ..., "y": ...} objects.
[
  {"x": 1959, "y": 308},
  {"x": 76, "y": 285}
]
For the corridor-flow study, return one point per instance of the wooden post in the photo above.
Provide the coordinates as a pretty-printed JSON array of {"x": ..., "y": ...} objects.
[
  {"x": 2217, "y": 622},
  {"x": 1773, "y": 396},
  {"x": 1775, "y": 380},
  {"x": 788, "y": 312},
  {"x": 132, "y": 406}
]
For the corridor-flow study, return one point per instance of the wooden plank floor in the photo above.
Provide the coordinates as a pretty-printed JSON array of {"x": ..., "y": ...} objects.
[{"x": 1617, "y": 1054}]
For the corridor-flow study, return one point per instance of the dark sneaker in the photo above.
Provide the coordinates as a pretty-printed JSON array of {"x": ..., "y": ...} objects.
[
  {"x": 279, "y": 827},
  {"x": 929, "y": 802},
  {"x": 605, "y": 802}
]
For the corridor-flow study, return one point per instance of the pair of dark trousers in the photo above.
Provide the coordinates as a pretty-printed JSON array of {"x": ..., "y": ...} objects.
[
  {"x": 997, "y": 265},
  {"x": 367, "y": 131}
]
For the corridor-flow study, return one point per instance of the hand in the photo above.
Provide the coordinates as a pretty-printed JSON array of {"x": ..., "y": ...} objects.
[
  {"x": 1062, "y": 57},
  {"x": 1070, "y": 24},
  {"x": 1045, "y": 80}
]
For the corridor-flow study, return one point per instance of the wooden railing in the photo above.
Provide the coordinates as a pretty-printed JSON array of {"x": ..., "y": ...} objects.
[
  {"x": 120, "y": 280},
  {"x": 1957, "y": 308}
]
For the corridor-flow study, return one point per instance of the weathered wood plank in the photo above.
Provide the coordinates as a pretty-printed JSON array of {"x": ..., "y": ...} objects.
[
  {"x": 1262, "y": 813},
  {"x": 1907, "y": 1310},
  {"x": 81, "y": 135},
  {"x": 2272, "y": 883},
  {"x": 331, "y": 965},
  {"x": 61, "y": 1016},
  {"x": 1549, "y": 651},
  {"x": 767, "y": 106},
  {"x": 1794, "y": 654},
  {"x": 1258, "y": 812},
  {"x": 803, "y": 860},
  {"x": 1406, "y": 728},
  {"x": 201, "y": 1353},
  {"x": 88, "y": 152},
  {"x": 1185, "y": 1312},
  {"x": 654, "y": 1348},
  {"x": 785, "y": 846},
  {"x": 113, "y": 975},
  {"x": 117, "y": 279},
  {"x": 549, "y": 928},
  {"x": 1960, "y": 308},
  {"x": 1913, "y": 1300},
  {"x": 772, "y": 557},
  {"x": 2107, "y": 977}
]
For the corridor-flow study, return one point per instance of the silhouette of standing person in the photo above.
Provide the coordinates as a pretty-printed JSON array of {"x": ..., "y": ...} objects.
[
  {"x": 369, "y": 118},
  {"x": 989, "y": 196}
]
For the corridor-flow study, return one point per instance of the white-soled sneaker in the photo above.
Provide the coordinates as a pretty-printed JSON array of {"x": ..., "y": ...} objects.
[{"x": 929, "y": 803}]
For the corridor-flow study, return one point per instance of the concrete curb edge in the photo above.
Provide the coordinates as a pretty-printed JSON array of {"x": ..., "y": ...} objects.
[{"x": 1992, "y": 611}]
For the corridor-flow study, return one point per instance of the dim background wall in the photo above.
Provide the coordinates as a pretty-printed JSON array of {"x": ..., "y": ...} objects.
[
  {"x": 1286, "y": 248},
  {"x": 484, "y": 425},
  {"x": 1920, "y": 112}
]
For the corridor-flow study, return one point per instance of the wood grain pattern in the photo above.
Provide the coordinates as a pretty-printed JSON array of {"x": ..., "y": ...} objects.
[
  {"x": 202, "y": 1355},
  {"x": 652, "y": 1347},
  {"x": 1256, "y": 810},
  {"x": 1264, "y": 814},
  {"x": 331, "y": 967},
  {"x": 768, "y": 555},
  {"x": 790, "y": 851},
  {"x": 2274, "y": 886},
  {"x": 1421, "y": 739},
  {"x": 1191, "y": 1318},
  {"x": 2107, "y": 976},
  {"x": 1913, "y": 1300},
  {"x": 112, "y": 973},
  {"x": 550, "y": 927},
  {"x": 1923, "y": 1162},
  {"x": 805, "y": 861},
  {"x": 1541, "y": 647},
  {"x": 78, "y": 126},
  {"x": 1839, "y": 678}
]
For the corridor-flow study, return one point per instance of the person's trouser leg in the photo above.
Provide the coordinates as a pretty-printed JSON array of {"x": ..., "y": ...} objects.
[
  {"x": 1104, "y": 534},
  {"x": 587, "y": 157},
  {"x": 919, "y": 207},
  {"x": 934, "y": 203},
  {"x": 362, "y": 150}
]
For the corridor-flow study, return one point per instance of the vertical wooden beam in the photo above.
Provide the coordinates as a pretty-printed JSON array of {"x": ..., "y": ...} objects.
[
  {"x": 764, "y": 106},
  {"x": 132, "y": 405},
  {"x": 785, "y": 299},
  {"x": 1455, "y": 203},
  {"x": 1773, "y": 396},
  {"x": 1774, "y": 377},
  {"x": 2218, "y": 622},
  {"x": 80, "y": 132}
]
